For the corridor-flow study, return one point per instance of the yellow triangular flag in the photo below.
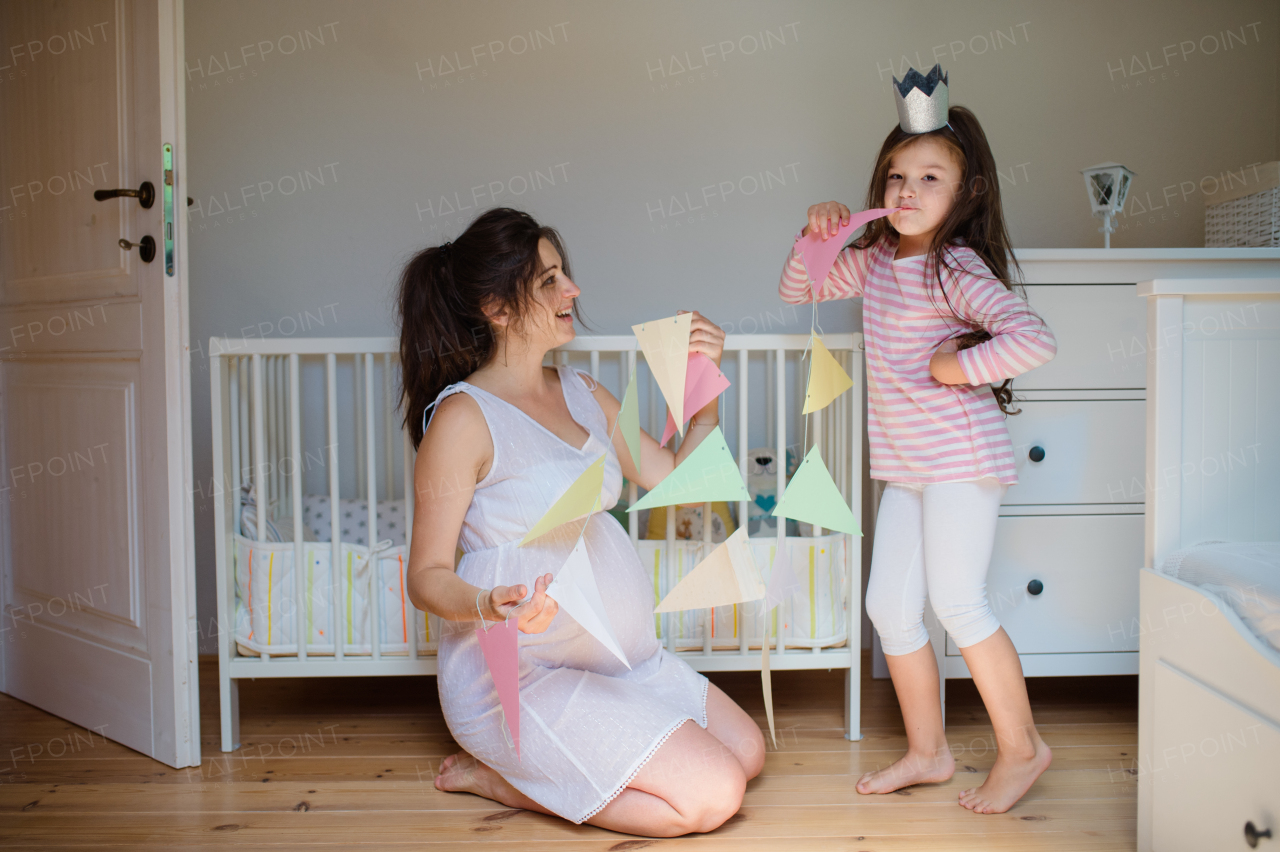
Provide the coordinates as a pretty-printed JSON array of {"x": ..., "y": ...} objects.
[
  {"x": 579, "y": 500},
  {"x": 728, "y": 576},
  {"x": 665, "y": 343},
  {"x": 827, "y": 379}
]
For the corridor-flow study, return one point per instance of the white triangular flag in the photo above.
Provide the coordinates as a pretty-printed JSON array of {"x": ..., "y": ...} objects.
[
  {"x": 575, "y": 590},
  {"x": 783, "y": 582}
]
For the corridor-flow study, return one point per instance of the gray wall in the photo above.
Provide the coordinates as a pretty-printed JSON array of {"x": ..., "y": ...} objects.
[{"x": 675, "y": 145}]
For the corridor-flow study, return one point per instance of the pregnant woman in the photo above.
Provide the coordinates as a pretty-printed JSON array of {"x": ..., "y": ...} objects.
[{"x": 652, "y": 750}]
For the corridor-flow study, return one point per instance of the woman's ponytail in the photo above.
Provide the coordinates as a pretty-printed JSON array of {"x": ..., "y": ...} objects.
[{"x": 445, "y": 332}]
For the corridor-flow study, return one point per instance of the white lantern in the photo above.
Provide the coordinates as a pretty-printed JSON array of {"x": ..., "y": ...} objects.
[{"x": 1108, "y": 187}]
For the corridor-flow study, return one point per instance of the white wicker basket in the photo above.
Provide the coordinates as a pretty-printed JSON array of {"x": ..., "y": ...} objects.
[{"x": 1247, "y": 220}]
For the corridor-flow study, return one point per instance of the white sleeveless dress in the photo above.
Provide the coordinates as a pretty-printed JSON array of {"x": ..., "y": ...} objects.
[{"x": 587, "y": 724}]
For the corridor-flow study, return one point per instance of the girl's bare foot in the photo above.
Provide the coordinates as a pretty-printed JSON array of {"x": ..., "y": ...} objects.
[
  {"x": 913, "y": 768},
  {"x": 1011, "y": 777}
]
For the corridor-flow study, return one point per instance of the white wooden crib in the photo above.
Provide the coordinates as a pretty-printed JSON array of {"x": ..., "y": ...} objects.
[
  {"x": 312, "y": 426},
  {"x": 1208, "y": 762}
]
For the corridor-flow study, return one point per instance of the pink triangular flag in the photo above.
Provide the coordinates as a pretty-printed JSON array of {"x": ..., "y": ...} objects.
[
  {"x": 500, "y": 645},
  {"x": 783, "y": 582},
  {"x": 703, "y": 383},
  {"x": 820, "y": 255}
]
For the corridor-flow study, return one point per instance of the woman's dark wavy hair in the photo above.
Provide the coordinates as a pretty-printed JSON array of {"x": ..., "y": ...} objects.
[
  {"x": 976, "y": 219},
  {"x": 445, "y": 334}
]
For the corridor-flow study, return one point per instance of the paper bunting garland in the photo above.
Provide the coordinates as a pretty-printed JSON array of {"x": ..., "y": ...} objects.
[
  {"x": 500, "y": 645},
  {"x": 665, "y": 343},
  {"x": 579, "y": 500},
  {"x": 812, "y": 497},
  {"x": 709, "y": 474},
  {"x": 574, "y": 589},
  {"x": 629, "y": 420},
  {"x": 827, "y": 379},
  {"x": 728, "y": 576},
  {"x": 703, "y": 383},
  {"x": 820, "y": 255}
]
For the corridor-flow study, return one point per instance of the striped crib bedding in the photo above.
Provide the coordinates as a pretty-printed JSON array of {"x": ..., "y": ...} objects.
[{"x": 266, "y": 617}]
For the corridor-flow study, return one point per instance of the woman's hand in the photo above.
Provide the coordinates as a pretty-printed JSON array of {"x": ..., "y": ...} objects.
[
  {"x": 535, "y": 616},
  {"x": 826, "y": 219},
  {"x": 705, "y": 337}
]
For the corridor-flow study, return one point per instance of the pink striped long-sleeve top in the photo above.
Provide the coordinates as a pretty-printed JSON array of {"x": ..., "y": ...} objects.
[{"x": 919, "y": 429}]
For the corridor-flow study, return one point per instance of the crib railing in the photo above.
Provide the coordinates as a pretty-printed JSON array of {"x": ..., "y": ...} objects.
[{"x": 260, "y": 413}]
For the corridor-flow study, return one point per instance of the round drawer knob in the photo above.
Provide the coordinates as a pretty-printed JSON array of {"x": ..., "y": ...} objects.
[
  {"x": 1035, "y": 587},
  {"x": 1252, "y": 835},
  {"x": 1036, "y": 454}
]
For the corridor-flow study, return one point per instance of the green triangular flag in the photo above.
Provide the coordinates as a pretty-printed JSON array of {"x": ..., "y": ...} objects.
[
  {"x": 708, "y": 475},
  {"x": 629, "y": 420},
  {"x": 812, "y": 497}
]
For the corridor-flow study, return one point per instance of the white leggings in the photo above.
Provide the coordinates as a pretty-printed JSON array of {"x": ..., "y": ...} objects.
[{"x": 933, "y": 539}]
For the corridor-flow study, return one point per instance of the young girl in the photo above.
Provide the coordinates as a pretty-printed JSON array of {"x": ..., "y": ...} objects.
[
  {"x": 599, "y": 742},
  {"x": 935, "y": 280}
]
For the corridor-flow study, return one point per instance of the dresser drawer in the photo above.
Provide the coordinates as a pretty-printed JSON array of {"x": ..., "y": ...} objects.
[
  {"x": 1093, "y": 452},
  {"x": 1214, "y": 767},
  {"x": 1101, "y": 331},
  {"x": 1088, "y": 568}
]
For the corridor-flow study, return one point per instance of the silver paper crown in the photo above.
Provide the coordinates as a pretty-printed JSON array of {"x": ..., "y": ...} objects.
[{"x": 921, "y": 100}]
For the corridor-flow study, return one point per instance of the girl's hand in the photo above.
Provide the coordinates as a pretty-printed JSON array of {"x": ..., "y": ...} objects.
[
  {"x": 826, "y": 219},
  {"x": 945, "y": 366},
  {"x": 536, "y": 615},
  {"x": 705, "y": 337}
]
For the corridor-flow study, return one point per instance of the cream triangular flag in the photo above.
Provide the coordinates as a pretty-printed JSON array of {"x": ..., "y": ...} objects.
[
  {"x": 629, "y": 420},
  {"x": 812, "y": 497},
  {"x": 574, "y": 589},
  {"x": 708, "y": 475},
  {"x": 666, "y": 349},
  {"x": 827, "y": 379},
  {"x": 578, "y": 501},
  {"x": 728, "y": 576}
]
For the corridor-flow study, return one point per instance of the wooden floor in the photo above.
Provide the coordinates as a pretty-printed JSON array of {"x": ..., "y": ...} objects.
[{"x": 347, "y": 763}]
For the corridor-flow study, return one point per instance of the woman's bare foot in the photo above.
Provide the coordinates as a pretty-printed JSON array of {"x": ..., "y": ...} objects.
[
  {"x": 1011, "y": 777},
  {"x": 461, "y": 773},
  {"x": 913, "y": 768}
]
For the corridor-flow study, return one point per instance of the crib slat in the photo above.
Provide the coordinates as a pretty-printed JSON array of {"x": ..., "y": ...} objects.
[
  {"x": 259, "y": 450},
  {"x": 407, "y": 441},
  {"x": 626, "y": 365},
  {"x": 357, "y": 397},
  {"x": 337, "y": 621},
  {"x": 780, "y": 429},
  {"x": 301, "y": 589},
  {"x": 388, "y": 429},
  {"x": 744, "y": 513},
  {"x": 371, "y": 470},
  {"x": 233, "y": 409}
]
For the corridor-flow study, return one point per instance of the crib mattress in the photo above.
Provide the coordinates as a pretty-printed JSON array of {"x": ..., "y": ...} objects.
[{"x": 1246, "y": 575}]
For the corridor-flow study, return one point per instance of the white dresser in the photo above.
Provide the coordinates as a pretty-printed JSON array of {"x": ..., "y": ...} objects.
[{"x": 1069, "y": 544}]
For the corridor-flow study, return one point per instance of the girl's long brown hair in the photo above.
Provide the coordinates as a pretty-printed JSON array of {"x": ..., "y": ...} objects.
[
  {"x": 976, "y": 218},
  {"x": 445, "y": 334}
]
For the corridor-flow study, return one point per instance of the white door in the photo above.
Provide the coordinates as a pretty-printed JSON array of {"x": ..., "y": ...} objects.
[{"x": 98, "y": 589}]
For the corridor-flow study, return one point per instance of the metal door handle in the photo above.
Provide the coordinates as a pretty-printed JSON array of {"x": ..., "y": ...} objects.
[
  {"x": 1252, "y": 834},
  {"x": 146, "y": 194},
  {"x": 146, "y": 248}
]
